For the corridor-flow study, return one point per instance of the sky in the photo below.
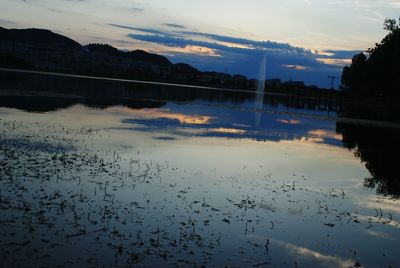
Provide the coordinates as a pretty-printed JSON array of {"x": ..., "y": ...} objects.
[{"x": 305, "y": 40}]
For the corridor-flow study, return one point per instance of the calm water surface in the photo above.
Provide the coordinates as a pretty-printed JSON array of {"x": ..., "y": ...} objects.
[{"x": 192, "y": 182}]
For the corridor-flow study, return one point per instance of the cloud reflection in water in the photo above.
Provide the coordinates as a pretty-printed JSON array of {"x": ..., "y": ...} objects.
[{"x": 204, "y": 120}]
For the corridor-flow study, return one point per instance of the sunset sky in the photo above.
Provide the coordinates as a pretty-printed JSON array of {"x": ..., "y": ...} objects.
[{"x": 303, "y": 39}]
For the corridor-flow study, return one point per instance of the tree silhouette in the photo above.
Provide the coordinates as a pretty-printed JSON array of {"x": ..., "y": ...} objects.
[
  {"x": 354, "y": 76},
  {"x": 377, "y": 75},
  {"x": 391, "y": 25}
]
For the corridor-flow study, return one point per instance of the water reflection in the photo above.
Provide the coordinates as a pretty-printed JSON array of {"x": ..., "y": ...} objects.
[
  {"x": 156, "y": 114},
  {"x": 184, "y": 180},
  {"x": 228, "y": 122},
  {"x": 377, "y": 148},
  {"x": 191, "y": 112},
  {"x": 37, "y": 103},
  {"x": 103, "y": 94}
]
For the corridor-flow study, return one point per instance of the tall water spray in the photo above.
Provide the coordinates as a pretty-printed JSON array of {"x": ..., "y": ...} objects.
[{"x": 260, "y": 90}]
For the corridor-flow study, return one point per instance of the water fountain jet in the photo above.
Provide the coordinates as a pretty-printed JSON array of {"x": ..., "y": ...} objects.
[{"x": 260, "y": 90}]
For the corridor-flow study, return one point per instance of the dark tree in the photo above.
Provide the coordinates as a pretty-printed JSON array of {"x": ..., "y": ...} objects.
[
  {"x": 391, "y": 25},
  {"x": 377, "y": 75},
  {"x": 353, "y": 77}
]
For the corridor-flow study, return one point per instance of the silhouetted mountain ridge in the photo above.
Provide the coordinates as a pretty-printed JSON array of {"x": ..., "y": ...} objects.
[
  {"x": 38, "y": 37},
  {"x": 139, "y": 55},
  {"x": 43, "y": 50}
]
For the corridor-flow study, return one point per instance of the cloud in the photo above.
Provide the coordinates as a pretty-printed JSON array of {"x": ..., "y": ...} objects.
[
  {"x": 263, "y": 45},
  {"x": 340, "y": 54},
  {"x": 372, "y": 10},
  {"x": 136, "y": 10},
  {"x": 241, "y": 55},
  {"x": 7, "y": 22},
  {"x": 296, "y": 67},
  {"x": 150, "y": 31},
  {"x": 173, "y": 25},
  {"x": 214, "y": 40},
  {"x": 337, "y": 62},
  {"x": 168, "y": 40}
]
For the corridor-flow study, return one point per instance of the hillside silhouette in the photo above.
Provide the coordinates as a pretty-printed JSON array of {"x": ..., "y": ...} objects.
[
  {"x": 38, "y": 37},
  {"x": 43, "y": 50},
  {"x": 135, "y": 55}
]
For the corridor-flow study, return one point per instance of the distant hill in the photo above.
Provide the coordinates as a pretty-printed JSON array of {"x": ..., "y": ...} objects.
[
  {"x": 137, "y": 55},
  {"x": 38, "y": 37},
  {"x": 148, "y": 57},
  {"x": 44, "y": 50}
]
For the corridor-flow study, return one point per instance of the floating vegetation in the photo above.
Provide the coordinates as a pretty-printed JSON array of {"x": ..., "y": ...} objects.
[{"x": 71, "y": 197}]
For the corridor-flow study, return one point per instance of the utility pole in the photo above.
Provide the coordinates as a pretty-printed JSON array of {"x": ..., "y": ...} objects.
[{"x": 332, "y": 78}]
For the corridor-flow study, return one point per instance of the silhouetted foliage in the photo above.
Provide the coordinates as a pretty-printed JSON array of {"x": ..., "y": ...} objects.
[
  {"x": 391, "y": 25},
  {"x": 354, "y": 76},
  {"x": 379, "y": 73}
]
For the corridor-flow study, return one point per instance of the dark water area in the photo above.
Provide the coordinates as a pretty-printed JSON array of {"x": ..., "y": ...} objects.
[{"x": 104, "y": 173}]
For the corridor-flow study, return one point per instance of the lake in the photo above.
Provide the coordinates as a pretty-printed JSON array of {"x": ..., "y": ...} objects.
[{"x": 106, "y": 173}]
